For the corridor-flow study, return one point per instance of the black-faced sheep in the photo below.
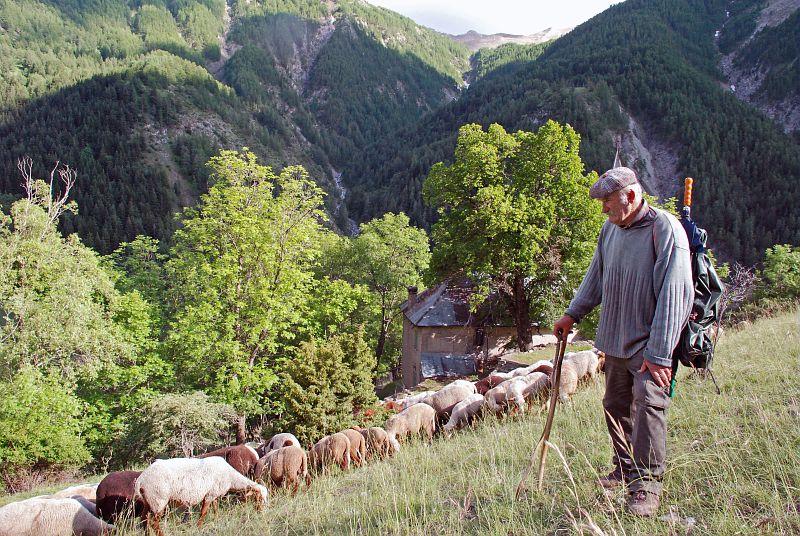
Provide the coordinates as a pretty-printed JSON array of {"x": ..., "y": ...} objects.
[
  {"x": 464, "y": 412},
  {"x": 284, "y": 467},
  {"x": 191, "y": 481},
  {"x": 115, "y": 495},
  {"x": 416, "y": 419},
  {"x": 330, "y": 450},
  {"x": 50, "y": 517}
]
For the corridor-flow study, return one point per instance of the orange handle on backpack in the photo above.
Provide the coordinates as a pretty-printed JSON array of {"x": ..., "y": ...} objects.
[{"x": 687, "y": 191}]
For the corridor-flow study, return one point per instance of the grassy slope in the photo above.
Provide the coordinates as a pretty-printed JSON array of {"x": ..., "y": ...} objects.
[{"x": 734, "y": 465}]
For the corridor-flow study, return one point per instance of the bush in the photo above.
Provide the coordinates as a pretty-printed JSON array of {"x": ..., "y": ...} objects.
[
  {"x": 326, "y": 385},
  {"x": 40, "y": 429},
  {"x": 781, "y": 273},
  {"x": 176, "y": 425}
]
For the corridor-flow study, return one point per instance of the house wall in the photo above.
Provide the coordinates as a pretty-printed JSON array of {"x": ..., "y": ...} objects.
[
  {"x": 410, "y": 360},
  {"x": 497, "y": 338}
]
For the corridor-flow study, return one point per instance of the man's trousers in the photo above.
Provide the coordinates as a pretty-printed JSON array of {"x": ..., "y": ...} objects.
[{"x": 636, "y": 415}]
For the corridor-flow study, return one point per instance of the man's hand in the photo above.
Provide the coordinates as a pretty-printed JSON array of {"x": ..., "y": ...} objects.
[
  {"x": 563, "y": 325},
  {"x": 661, "y": 375}
]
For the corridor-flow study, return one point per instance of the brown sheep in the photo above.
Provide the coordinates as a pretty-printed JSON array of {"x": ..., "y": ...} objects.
[
  {"x": 489, "y": 382},
  {"x": 241, "y": 457},
  {"x": 284, "y": 467},
  {"x": 115, "y": 495},
  {"x": 377, "y": 441},
  {"x": 358, "y": 446},
  {"x": 332, "y": 449},
  {"x": 414, "y": 420}
]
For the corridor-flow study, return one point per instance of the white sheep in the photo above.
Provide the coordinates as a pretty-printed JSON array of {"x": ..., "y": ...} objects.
[
  {"x": 543, "y": 365},
  {"x": 50, "y": 517},
  {"x": 586, "y": 363},
  {"x": 190, "y": 481},
  {"x": 524, "y": 388},
  {"x": 448, "y": 396},
  {"x": 87, "y": 491},
  {"x": 414, "y": 420},
  {"x": 495, "y": 398},
  {"x": 568, "y": 384},
  {"x": 407, "y": 402},
  {"x": 281, "y": 440},
  {"x": 464, "y": 412}
]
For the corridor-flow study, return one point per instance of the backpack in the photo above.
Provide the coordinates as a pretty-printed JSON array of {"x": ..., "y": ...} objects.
[{"x": 695, "y": 347}]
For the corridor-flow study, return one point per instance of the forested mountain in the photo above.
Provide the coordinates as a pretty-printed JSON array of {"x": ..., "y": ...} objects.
[
  {"x": 646, "y": 73},
  {"x": 138, "y": 94}
]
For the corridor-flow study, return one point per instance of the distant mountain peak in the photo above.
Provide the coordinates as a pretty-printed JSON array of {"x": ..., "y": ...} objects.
[{"x": 475, "y": 40}]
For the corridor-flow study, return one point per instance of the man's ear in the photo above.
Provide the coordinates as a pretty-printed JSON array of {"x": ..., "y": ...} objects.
[{"x": 631, "y": 196}]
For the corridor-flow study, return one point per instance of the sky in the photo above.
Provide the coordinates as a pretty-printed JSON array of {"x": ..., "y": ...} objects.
[{"x": 496, "y": 16}]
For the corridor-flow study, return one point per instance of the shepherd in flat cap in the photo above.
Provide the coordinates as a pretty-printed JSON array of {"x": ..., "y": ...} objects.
[{"x": 641, "y": 273}]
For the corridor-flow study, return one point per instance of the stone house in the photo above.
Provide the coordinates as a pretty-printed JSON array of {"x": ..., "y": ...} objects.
[{"x": 442, "y": 337}]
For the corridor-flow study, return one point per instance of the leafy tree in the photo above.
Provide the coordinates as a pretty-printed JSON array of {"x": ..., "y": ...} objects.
[
  {"x": 326, "y": 384},
  {"x": 40, "y": 426},
  {"x": 388, "y": 256},
  {"x": 241, "y": 269},
  {"x": 515, "y": 217},
  {"x": 57, "y": 303}
]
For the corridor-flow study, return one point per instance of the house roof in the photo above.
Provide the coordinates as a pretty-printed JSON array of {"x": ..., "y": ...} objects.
[{"x": 447, "y": 304}]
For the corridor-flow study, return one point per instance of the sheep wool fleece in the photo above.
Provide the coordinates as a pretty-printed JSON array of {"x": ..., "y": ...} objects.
[{"x": 642, "y": 275}]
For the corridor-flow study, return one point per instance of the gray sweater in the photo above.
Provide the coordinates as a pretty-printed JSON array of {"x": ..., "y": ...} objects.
[{"x": 642, "y": 274}]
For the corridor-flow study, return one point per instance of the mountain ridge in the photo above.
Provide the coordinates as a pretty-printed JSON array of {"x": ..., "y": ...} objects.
[{"x": 474, "y": 41}]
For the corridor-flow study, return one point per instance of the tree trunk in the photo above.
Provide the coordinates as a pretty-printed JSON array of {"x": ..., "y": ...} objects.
[
  {"x": 241, "y": 430},
  {"x": 520, "y": 308},
  {"x": 382, "y": 338}
]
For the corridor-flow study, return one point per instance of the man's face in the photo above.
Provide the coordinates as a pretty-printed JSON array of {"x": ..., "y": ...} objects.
[{"x": 618, "y": 206}]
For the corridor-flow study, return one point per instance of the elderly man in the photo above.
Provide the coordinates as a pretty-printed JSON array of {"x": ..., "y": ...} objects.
[{"x": 641, "y": 272}]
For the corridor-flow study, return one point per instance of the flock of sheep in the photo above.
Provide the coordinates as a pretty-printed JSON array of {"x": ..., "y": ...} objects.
[{"x": 246, "y": 470}]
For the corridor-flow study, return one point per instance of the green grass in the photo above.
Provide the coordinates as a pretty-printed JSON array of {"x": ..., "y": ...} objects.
[{"x": 734, "y": 466}]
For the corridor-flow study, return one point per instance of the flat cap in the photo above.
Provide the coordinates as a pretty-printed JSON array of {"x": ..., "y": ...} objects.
[{"x": 611, "y": 181}]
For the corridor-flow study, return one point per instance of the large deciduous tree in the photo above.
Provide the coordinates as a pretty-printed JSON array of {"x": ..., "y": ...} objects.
[
  {"x": 387, "y": 257},
  {"x": 515, "y": 216},
  {"x": 241, "y": 266}
]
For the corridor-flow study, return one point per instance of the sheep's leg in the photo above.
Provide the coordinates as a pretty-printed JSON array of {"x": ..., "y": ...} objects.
[
  {"x": 156, "y": 525},
  {"x": 203, "y": 512}
]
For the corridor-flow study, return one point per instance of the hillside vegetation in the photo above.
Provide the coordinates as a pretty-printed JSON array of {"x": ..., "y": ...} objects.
[
  {"x": 653, "y": 63},
  {"x": 734, "y": 466},
  {"x": 125, "y": 92}
]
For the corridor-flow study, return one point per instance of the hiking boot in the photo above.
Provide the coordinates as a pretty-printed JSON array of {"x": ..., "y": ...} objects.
[
  {"x": 643, "y": 503},
  {"x": 612, "y": 480}
]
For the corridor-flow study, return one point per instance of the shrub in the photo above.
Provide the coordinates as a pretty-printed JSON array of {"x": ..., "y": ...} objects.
[
  {"x": 176, "y": 425},
  {"x": 40, "y": 428},
  {"x": 326, "y": 385},
  {"x": 781, "y": 273}
]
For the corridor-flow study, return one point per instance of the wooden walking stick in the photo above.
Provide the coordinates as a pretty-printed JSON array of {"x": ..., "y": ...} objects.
[{"x": 555, "y": 382}]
